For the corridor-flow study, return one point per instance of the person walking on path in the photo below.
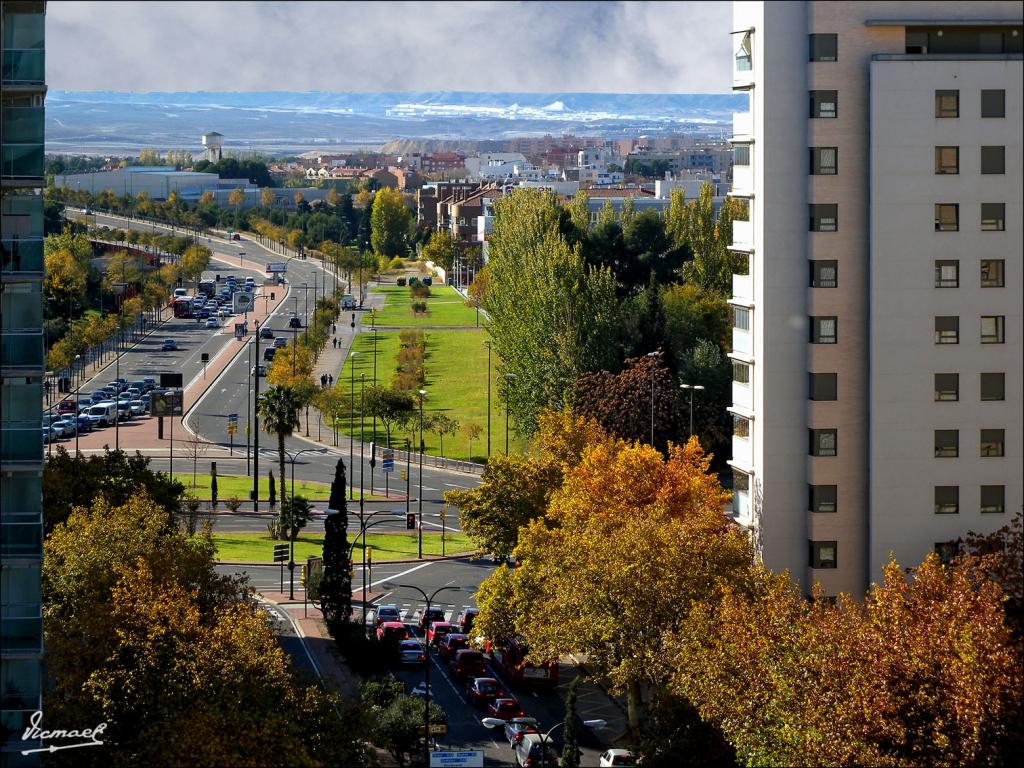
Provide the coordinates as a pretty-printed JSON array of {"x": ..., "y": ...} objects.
[
  {"x": 330, "y": 379},
  {"x": 323, "y": 381}
]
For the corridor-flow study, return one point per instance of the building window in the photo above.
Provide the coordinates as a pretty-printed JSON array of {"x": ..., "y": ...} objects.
[
  {"x": 993, "y": 499},
  {"x": 947, "y": 273},
  {"x": 824, "y": 46},
  {"x": 947, "y": 103},
  {"x": 823, "y": 442},
  {"x": 823, "y": 386},
  {"x": 824, "y": 330},
  {"x": 993, "y": 103},
  {"x": 993, "y": 273},
  {"x": 993, "y": 160},
  {"x": 740, "y": 263},
  {"x": 740, "y": 372},
  {"x": 993, "y": 386},
  {"x": 822, "y": 498},
  {"x": 947, "y": 160},
  {"x": 992, "y": 329},
  {"x": 824, "y": 161},
  {"x": 822, "y": 554},
  {"x": 992, "y": 441},
  {"x": 993, "y": 217},
  {"x": 947, "y": 499},
  {"x": 824, "y": 217},
  {"x": 740, "y": 481},
  {"x": 740, "y": 318},
  {"x": 947, "y": 443},
  {"x": 824, "y": 273},
  {"x": 740, "y": 427},
  {"x": 823, "y": 103},
  {"x": 947, "y": 387},
  {"x": 744, "y": 59},
  {"x": 947, "y": 551},
  {"x": 741, "y": 154},
  {"x": 947, "y": 217},
  {"x": 947, "y": 330}
]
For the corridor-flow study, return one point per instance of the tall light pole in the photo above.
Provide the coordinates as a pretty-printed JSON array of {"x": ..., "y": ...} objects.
[
  {"x": 362, "y": 447},
  {"x": 488, "y": 343},
  {"x": 419, "y": 499},
  {"x": 426, "y": 667},
  {"x": 248, "y": 397},
  {"x": 653, "y": 355},
  {"x": 508, "y": 383},
  {"x": 291, "y": 538},
  {"x": 78, "y": 392},
  {"x": 691, "y": 387},
  {"x": 256, "y": 425},
  {"x": 351, "y": 420}
]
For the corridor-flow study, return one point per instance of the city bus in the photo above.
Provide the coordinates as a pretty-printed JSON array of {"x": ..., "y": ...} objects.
[{"x": 182, "y": 306}]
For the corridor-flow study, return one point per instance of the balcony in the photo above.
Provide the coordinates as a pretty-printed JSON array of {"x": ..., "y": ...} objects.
[
  {"x": 22, "y": 160},
  {"x": 743, "y": 287},
  {"x": 22, "y": 255},
  {"x": 742, "y": 451},
  {"x": 21, "y": 540},
  {"x": 742, "y": 125},
  {"x": 21, "y": 350},
  {"x": 21, "y": 630},
  {"x": 743, "y": 60},
  {"x": 21, "y": 445},
  {"x": 742, "y": 342},
  {"x": 24, "y": 67},
  {"x": 742, "y": 396},
  {"x": 741, "y": 507},
  {"x": 743, "y": 180},
  {"x": 742, "y": 236}
]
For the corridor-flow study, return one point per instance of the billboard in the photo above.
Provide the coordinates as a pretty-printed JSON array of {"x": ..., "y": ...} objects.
[
  {"x": 277, "y": 266},
  {"x": 170, "y": 380},
  {"x": 167, "y": 402},
  {"x": 241, "y": 301}
]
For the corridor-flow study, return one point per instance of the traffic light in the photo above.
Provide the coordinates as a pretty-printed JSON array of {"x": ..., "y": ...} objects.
[{"x": 410, "y": 521}]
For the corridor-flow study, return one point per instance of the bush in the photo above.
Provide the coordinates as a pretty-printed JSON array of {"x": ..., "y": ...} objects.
[
  {"x": 400, "y": 282},
  {"x": 420, "y": 291},
  {"x": 233, "y": 504},
  {"x": 380, "y": 691},
  {"x": 419, "y": 307},
  {"x": 396, "y": 263},
  {"x": 414, "y": 281}
]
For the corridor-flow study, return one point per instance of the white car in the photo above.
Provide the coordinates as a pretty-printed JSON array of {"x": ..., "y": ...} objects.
[
  {"x": 211, "y": 322},
  {"x": 614, "y": 757},
  {"x": 420, "y": 691},
  {"x": 137, "y": 408}
]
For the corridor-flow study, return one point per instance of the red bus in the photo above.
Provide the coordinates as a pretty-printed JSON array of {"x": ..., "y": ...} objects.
[
  {"x": 511, "y": 660},
  {"x": 182, "y": 306}
]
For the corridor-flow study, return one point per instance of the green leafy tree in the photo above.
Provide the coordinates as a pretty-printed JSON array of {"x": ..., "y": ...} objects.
[
  {"x": 570, "y": 749},
  {"x": 279, "y": 409},
  {"x": 579, "y": 211},
  {"x": 389, "y": 405},
  {"x": 296, "y": 512},
  {"x": 398, "y": 725},
  {"x": 391, "y": 223},
  {"x": 442, "y": 424},
  {"x": 442, "y": 250}
]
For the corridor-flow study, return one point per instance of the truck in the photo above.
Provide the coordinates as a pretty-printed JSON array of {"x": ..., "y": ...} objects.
[
  {"x": 207, "y": 288},
  {"x": 348, "y": 301}
]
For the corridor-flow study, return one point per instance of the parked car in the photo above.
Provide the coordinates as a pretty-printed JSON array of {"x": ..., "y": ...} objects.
[
  {"x": 517, "y": 727},
  {"x": 392, "y": 630},
  {"x": 140, "y": 385},
  {"x": 505, "y": 709},
  {"x": 124, "y": 410},
  {"x": 281, "y": 342},
  {"x": 386, "y": 612},
  {"x": 429, "y": 616},
  {"x": 67, "y": 406},
  {"x": 483, "y": 690},
  {"x": 211, "y": 322},
  {"x": 468, "y": 663},
  {"x": 150, "y": 382},
  {"x": 99, "y": 396},
  {"x": 145, "y": 400},
  {"x": 412, "y": 652},
  {"x": 169, "y": 345},
  {"x": 466, "y": 619},
  {"x": 450, "y": 644},
  {"x": 266, "y": 332},
  {"x": 294, "y": 322},
  {"x": 103, "y": 414},
  {"x": 56, "y": 427},
  {"x": 47, "y": 435},
  {"x": 438, "y": 630},
  {"x": 615, "y": 757}
]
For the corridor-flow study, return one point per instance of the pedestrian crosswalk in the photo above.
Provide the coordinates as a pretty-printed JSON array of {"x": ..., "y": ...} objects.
[{"x": 410, "y": 613}]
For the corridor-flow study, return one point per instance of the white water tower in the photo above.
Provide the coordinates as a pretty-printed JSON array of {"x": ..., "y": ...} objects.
[{"x": 214, "y": 143}]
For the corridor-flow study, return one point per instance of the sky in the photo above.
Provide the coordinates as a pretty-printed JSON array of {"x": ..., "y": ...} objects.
[{"x": 602, "y": 47}]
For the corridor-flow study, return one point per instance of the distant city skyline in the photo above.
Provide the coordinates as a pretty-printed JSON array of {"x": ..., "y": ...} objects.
[{"x": 597, "y": 47}]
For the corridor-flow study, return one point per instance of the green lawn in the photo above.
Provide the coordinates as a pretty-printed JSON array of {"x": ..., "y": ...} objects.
[
  {"x": 257, "y": 548},
  {"x": 233, "y": 485},
  {"x": 445, "y": 307},
  {"x": 456, "y": 365}
]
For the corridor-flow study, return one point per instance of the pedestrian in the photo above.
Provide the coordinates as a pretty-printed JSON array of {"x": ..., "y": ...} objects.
[
  {"x": 323, "y": 380},
  {"x": 330, "y": 380},
  {"x": 334, "y": 328},
  {"x": 335, "y": 343}
]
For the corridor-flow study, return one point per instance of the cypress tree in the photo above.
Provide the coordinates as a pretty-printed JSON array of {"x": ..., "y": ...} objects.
[
  {"x": 336, "y": 586},
  {"x": 570, "y": 751},
  {"x": 273, "y": 490}
]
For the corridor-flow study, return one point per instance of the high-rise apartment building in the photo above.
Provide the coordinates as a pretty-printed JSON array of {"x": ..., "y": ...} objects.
[
  {"x": 877, "y": 320},
  {"x": 21, "y": 373}
]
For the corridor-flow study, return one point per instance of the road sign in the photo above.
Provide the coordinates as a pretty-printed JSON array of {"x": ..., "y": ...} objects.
[
  {"x": 233, "y": 417},
  {"x": 461, "y": 759},
  {"x": 280, "y": 553},
  {"x": 232, "y": 423},
  {"x": 437, "y": 729},
  {"x": 241, "y": 301},
  {"x": 388, "y": 457},
  {"x": 277, "y": 266},
  {"x": 402, "y": 474}
]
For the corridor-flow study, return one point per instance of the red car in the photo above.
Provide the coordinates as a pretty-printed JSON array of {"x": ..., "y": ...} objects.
[
  {"x": 392, "y": 630},
  {"x": 505, "y": 709},
  {"x": 438, "y": 630},
  {"x": 483, "y": 690},
  {"x": 466, "y": 619},
  {"x": 468, "y": 663},
  {"x": 451, "y": 643},
  {"x": 67, "y": 406}
]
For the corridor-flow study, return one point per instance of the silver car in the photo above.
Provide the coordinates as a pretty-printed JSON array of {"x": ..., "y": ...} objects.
[
  {"x": 413, "y": 652},
  {"x": 137, "y": 407}
]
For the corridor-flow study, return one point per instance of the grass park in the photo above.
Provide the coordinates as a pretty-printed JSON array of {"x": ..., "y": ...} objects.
[
  {"x": 239, "y": 486},
  {"x": 258, "y": 548},
  {"x": 445, "y": 307}
]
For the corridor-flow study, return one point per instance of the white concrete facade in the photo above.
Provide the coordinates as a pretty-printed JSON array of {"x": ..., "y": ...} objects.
[{"x": 868, "y": 472}]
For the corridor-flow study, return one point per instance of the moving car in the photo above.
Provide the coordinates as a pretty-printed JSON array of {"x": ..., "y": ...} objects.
[
  {"x": 169, "y": 345},
  {"x": 466, "y": 619},
  {"x": 386, "y": 612},
  {"x": 614, "y": 757},
  {"x": 430, "y": 615},
  {"x": 412, "y": 652},
  {"x": 268, "y": 353},
  {"x": 266, "y": 332},
  {"x": 483, "y": 690},
  {"x": 517, "y": 727},
  {"x": 259, "y": 370},
  {"x": 294, "y": 322},
  {"x": 103, "y": 414},
  {"x": 510, "y": 659},
  {"x": 450, "y": 644},
  {"x": 224, "y": 312},
  {"x": 467, "y": 663},
  {"x": 211, "y": 322},
  {"x": 421, "y": 690},
  {"x": 438, "y": 630},
  {"x": 203, "y": 314},
  {"x": 530, "y": 751},
  {"x": 504, "y": 709},
  {"x": 392, "y": 630},
  {"x": 67, "y": 406},
  {"x": 280, "y": 343},
  {"x": 137, "y": 407}
]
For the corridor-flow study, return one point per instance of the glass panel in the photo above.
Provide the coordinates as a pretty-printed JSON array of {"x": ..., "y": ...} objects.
[
  {"x": 947, "y": 103},
  {"x": 21, "y": 307},
  {"x": 21, "y": 444},
  {"x": 993, "y": 217},
  {"x": 22, "y": 160},
  {"x": 824, "y": 274},
  {"x": 992, "y": 329},
  {"x": 741, "y": 154},
  {"x": 993, "y": 273},
  {"x": 824, "y": 47},
  {"x": 741, "y": 318},
  {"x": 993, "y": 160},
  {"x": 22, "y": 350},
  {"x": 993, "y": 498},
  {"x": 993, "y": 103},
  {"x": 22, "y": 255},
  {"x": 947, "y": 386},
  {"x": 24, "y": 66},
  {"x": 21, "y": 404},
  {"x": 22, "y": 125},
  {"x": 740, "y": 427},
  {"x": 24, "y": 30},
  {"x": 823, "y": 498},
  {"x": 947, "y": 330},
  {"x": 744, "y": 57},
  {"x": 947, "y": 274},
  {"x": 947, "y": 160},
  {"x": 947, "y": 499},
  {"x": 947, "y": 443},
  {"x": 740, "y": 372},
  {"x": 993, "y": 386},
  {"x": 947, "y": 217},
  {"x": 992, "y": 441}
]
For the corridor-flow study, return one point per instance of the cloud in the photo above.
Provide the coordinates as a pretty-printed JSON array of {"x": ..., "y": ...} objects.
[{"x": 622, "y": 47}]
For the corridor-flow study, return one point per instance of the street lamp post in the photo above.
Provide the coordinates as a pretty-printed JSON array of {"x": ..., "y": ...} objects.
[
  {"x": 256, "y": 423},
  {"x": 291, "y": 538},
  {"x": 362, "y": 446},
  {"x": 419, "y": 495},
  {"x": 508, "y": 383},
  {"x": 652, "y": 355},
  {"x": 691, "y": 387},
  {"x": 78, "y": 393},
  {"x": 545, "y": 738},
  {"x": 351, "y": 419},
  {"x": 488, "y": 343},
  {"x": 364, "y": 526},
  {"x": 426, "y": 667}
]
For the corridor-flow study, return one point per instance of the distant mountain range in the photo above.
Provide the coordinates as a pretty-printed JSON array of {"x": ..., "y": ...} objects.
[{"x": 107, "y": 121}]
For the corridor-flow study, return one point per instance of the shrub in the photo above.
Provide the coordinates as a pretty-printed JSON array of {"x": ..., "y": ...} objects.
[
  {"x": 414, "y": 281},
  {"x": 400, "y": 282},
  {"x": 396, "y": 263},
  {"x": 233, "y": 504},
  {"x": 419, "y": 307},
  {"x": 420, "y": 291}
]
